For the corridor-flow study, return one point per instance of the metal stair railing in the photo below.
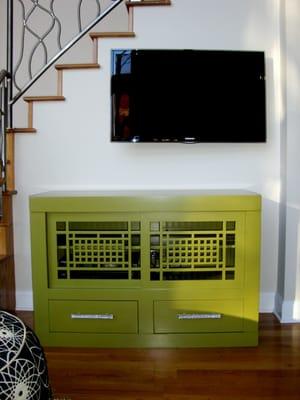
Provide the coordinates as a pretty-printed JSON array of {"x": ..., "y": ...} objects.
[
  {"x": 27, "y": 11},
  {"x": 5, "y": 77}
]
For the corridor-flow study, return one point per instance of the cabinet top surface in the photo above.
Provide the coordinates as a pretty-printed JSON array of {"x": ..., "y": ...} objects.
[
  {"x": 147, "y": 193},
  {"x": 140, "y": 201}
]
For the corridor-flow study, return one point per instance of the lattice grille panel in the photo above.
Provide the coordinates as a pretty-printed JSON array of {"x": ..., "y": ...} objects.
[
  {"x": 108, "y": 252},
  {"x": 84, "y": 251},
  {"x": 192, "y": 250}
]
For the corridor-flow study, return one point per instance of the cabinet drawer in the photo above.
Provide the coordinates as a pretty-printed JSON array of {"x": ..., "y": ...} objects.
[
  {"x": 93, "y": 316},
  {"x": 196, "y": 316}
]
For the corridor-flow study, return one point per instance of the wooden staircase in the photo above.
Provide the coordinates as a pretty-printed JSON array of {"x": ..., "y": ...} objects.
[
  {"x": 94, "y": 36},
  {"x": 7, "y": 270}
]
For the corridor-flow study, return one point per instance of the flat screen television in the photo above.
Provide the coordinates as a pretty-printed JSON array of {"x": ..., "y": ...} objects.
[{"x": 188, "y": 96}]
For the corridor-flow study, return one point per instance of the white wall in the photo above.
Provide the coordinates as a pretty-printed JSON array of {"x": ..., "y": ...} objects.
[{"x": 72, "y": 147}]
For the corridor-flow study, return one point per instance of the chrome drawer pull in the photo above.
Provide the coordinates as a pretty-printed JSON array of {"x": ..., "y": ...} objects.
[
  {"x": 199, "y": 316},
  {"x": 92, "y": 316}
]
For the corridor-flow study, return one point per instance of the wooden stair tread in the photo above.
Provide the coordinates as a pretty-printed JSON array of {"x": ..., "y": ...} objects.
[
  {"x": 77, "y": 66},
  {"x": 24, "y": 130},
  {"x": 98, "y": 35},
  {"x": 44, "y": 98},
  {"x": 3, "y": 257},
  {"x": 148, "y": 3}
]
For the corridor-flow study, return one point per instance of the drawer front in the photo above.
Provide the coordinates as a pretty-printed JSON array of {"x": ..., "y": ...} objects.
[
  {"x": 93, "y": 316},
  {"x": 196, "y": 316}
]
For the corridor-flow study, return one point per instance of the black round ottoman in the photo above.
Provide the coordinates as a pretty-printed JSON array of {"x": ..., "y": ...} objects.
[{"x": 23, "y": 368}]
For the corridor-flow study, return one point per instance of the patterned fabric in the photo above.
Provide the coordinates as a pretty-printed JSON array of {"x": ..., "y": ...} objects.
[{"x": 23, "y": 368}]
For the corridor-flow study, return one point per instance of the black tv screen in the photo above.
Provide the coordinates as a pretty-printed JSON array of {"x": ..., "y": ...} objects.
[{"x": 188, "y": 96}]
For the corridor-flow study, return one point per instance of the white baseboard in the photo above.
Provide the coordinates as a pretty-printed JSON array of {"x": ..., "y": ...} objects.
[
  {"x": 287, "y": 311},
  {"x": 24, "y": 301},
  {"x": 267, "y": 302}
]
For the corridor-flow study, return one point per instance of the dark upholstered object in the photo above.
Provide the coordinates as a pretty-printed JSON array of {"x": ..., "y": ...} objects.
[{"x": 23, "y": 368}]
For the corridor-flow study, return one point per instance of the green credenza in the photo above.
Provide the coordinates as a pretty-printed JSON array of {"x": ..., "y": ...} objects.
[{"x": 146, "y": 269}]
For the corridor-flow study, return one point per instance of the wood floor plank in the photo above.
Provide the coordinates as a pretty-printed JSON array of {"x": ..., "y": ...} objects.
[{"x": 269, "y": 371}]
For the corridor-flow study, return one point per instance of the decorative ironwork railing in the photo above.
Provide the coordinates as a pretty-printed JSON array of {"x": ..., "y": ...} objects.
[
  {"x": 39, "y": 47},
  {"x": 4, "y": 82},
  {"x": 36, "y": 39}
]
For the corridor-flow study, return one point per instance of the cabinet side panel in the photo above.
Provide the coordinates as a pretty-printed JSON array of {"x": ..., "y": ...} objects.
[{"x": 252, "y": 270}]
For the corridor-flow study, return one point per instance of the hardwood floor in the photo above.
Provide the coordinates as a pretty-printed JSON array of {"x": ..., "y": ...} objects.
[{"x": 269, "y": 371}]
